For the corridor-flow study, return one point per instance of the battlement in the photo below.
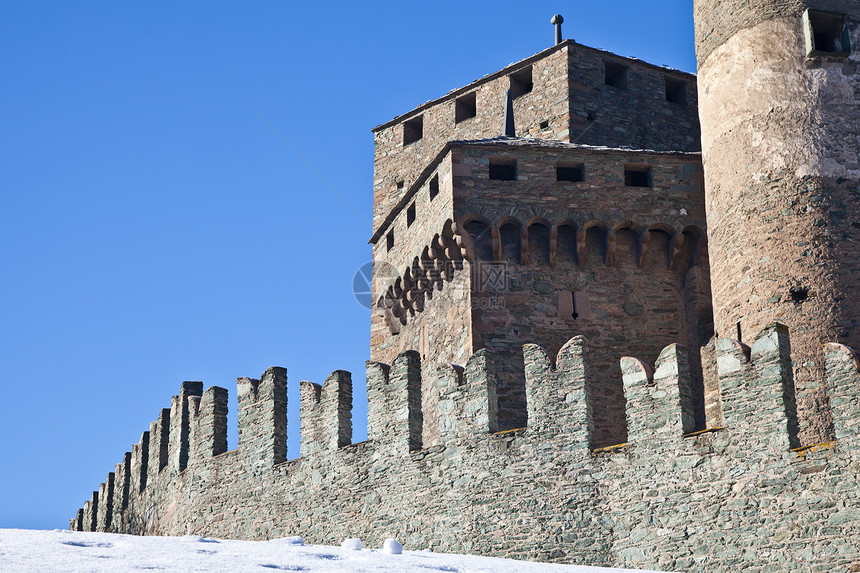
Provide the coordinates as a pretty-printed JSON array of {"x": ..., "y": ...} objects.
[{"x": 440, "y": 421}]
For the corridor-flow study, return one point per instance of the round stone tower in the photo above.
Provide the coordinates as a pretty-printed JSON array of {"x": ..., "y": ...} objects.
[{"x": 779, "y": 102}]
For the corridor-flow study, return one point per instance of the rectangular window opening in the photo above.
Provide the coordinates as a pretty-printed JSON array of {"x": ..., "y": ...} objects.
[
  {"x": 410, "y": 215},
  {"x": 434, "y": 187},
  {"x": 465, "y": 107},
  {"x": 400, "y": 185},
  {"x": 413, "y": 130},
  {"x": 503, "y": 170},
  {"x": 826, "y": 33},
  {"x": 676, "y": 91},
  {"x": 521, "y": 82},
  {"x": 637, "y": 176},
  {"x": 544, "y": 124},
  {"x": 573, "y": 173},
  {"x": 616, "y": 75},
  {"x": 389, "y": 240}
]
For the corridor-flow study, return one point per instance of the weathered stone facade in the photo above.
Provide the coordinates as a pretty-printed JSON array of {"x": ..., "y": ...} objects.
[{"x": 546, "y": 379}]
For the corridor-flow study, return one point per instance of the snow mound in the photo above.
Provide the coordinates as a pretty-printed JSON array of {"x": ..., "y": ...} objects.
[
  {"x": 392, "y": 547},
  {"x": 351, "y": 543}
]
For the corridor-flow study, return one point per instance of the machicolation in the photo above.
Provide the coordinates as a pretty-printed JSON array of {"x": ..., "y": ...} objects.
[{"x": 601, "y": 333}]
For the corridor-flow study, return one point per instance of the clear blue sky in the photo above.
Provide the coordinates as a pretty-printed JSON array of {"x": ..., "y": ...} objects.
[{"x": 154, "y": 229}]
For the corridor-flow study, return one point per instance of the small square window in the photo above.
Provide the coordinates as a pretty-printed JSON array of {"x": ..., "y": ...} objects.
[
  {"x": 637, "y": 176},
  {"x": 465, "y": 107},
  {"x": 400, "y": 185},
  {"x": 389, "y": 240},
  {"x": 434, "y": 187},
  {"x": 615, "y": 75},
  {"x": 410, "y": 215},
  {"x": 826, "y": 34},
  {"x": 503, "y": 170},
  {"x": 413, "y": 130},
  {"x": 521, "y": 82},
  {"x": 573, "y": 173},
  {"x": 544, "y": 124},
  {"x": 676, "y": 91}
]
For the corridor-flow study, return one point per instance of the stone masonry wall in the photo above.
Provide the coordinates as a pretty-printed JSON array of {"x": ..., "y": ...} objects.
[
  {"x": 735, "y": 499},
  {"x": 442, "y": 330},
  {"x": 621, "y": 253}
]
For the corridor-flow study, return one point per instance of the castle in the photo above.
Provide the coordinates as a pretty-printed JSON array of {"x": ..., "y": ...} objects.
[{"x": 614, "y": 312}]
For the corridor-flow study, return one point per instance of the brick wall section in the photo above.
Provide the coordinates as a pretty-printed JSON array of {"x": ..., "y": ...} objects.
[
  {"x": 105, "y": 508},
  {"x": 263, "y": 418},
  {"x": 180, "y": 426},
  {"x": 639, "y": 295},
  {"x": 843, "y": 364},
  {"x": 159, "y": 434},
  {"x": 726, "y": 500},
  {"x": 779, "y": 145},
  {"x": 440, "y": 331},
  {"x": 569, "y": 96},
  {"x": 208, "y": 423},
  {"x": 326, "y": 413},
  {"x": 139, "y": 464}
]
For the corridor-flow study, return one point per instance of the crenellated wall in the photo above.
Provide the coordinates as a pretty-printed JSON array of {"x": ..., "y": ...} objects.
[{"x": 435, "y": 472}]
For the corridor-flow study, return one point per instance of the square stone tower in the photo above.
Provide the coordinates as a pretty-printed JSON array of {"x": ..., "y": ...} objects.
[{"x": 589, "y": 221}]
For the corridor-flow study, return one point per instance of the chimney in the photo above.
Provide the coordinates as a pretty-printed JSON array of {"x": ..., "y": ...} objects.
[
  {"x": 557, "y": 20},
  {"x": 510, "y": 130}
]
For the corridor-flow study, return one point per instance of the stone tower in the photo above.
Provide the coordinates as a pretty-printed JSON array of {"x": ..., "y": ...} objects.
[{"x": 780, "y": 125}]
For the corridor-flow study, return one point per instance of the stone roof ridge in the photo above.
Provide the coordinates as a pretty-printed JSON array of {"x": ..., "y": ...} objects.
[{"x": 540, "y": 142}]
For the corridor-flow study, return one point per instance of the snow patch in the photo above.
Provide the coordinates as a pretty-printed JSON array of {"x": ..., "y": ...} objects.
[
  {"x": 351, "y": 543},
  {"x": 25, "y": 551},
  {"x": 392, "y": 547}
]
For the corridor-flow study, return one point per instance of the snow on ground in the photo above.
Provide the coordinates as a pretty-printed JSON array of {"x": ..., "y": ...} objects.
[{"x": 25, "y": 551}]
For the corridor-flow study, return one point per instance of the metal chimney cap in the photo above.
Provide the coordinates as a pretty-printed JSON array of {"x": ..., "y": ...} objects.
[{"x": 557, "y": 19}]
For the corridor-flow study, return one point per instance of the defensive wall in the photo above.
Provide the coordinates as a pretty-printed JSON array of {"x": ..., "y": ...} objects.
[{"x": 743, "y": 495}]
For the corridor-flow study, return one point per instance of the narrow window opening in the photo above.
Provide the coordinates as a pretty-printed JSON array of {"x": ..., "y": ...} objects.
[
  {"x": 826, "y": 33},
  {"x": 676, "y": 91},
  {"x": 503, "y": 170},
  {"x": 465, "y": 107},
  {"x": 574, "y": 314},
  {"x": 573, "y": 173},
  {"x": 410, "y": 215},
  {"x": 389, "y": 240},
  {"x": 544, "y": 124},
  {"x": 581, "y": 306},
  {"x": 413, "y": 130},
  {"x": 615, "y": 75},
  {"x": 637, "y": 176},
  {"x": 740, "y": 339},
  {"x": 521, "y": 82},
  {"x": 434, "y": 187}
]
